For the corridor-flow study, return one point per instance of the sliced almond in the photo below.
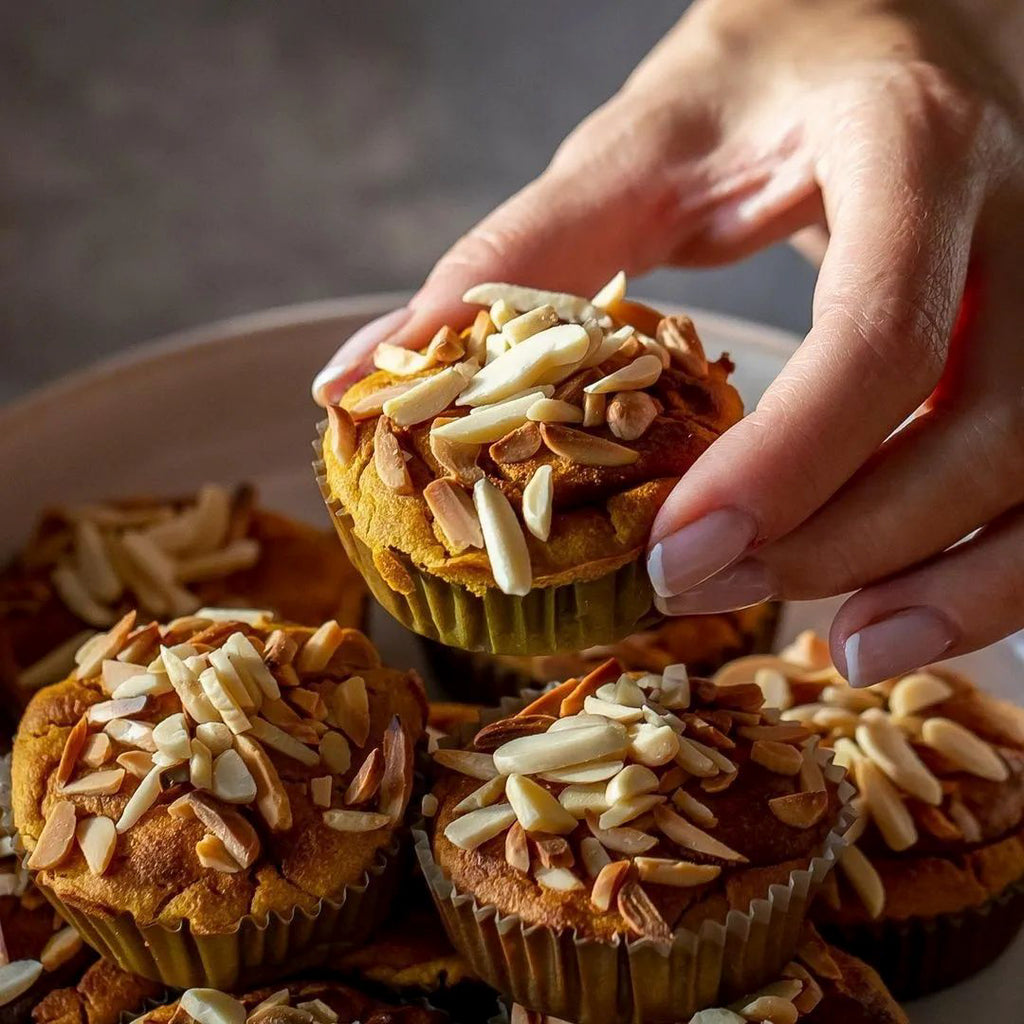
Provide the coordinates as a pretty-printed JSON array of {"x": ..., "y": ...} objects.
[
  {"x": 477, "y": 827},
  {"x": 501, "y": 312},
  {"x": 397, "y": 780},
  {"x": 215, "y": 735},
  {"x": 775, "y": 687},
  {"x": 692, "y": 760},
  {"x": 497, "y": 734},
  {"x": 581, "y": 799},
  {"x": 97, "y": 749},
  {"x": 188, "y": 688},
  {"x": 559, "y": 879},
  {"x": 966, "y": 750},
  {"x": 446, "y": 346},
  {"x": 633, "y": 780},
  {"x": 389, "y": 459},
  {"x": 428, "y": 397},
  {"x": 697, "y": 812},
  {"x": 373, "y": 404},
  {"x": 102, "y": 783},
  {"x": 460, "y": 460},
  {"x": 866, "y": 882},
  {"x": 249, "y": 663},
  {"x": 144, "y": 797},
  {"x": 653, "y": 745},
  {"x": 585, "y": 449},
  {"x": 277, "y": 739},
  {"x": 607, "y": 884},
  {"x": 487, "y": 424},
  {"x": 72, "y": 750},
  {"x": 627, "y": 810},
  {"x": 171, "y": 736},
  {"x": 341, "y": 434},
  {"x": 811, "y": 776},
  {"x": 586, "y": 774},
  {"x": 335, "y": 753},
  {"x": 455, "y": 514},
  {"x": 553, "y": 410},
  {"x": 366, "y": 781},
  {"x": 59, "y": 948},
  {"x": 679, "y": 873},
  {"x": 107, "y": 710},
  {"x": 799, "y": 810},
  {"x": 640, "y": 913},
  {"x": 349, "y": 709},
  {"x": 213, "y": 854},
  {"x": 400, "y": 361},
  {"x": 538, "y": 496},
  {"x": 572, "y": 704},
  {"x": 518, "y": 445},
  {"x": 614, "y": 291},
  {"x": 887, "y": 809},
  {"x": 690, "y": 837},
  {"x": 527, "y": 324},
  {"x": 550, "y": 751},
  {"x": 237, "y": 835},
  {"x": 271, "y": 799},
  {"x": 568, "y": 307},
  {"x": 594, "y": 410},
  {"x": 483, "y": 327},
  {"x": 320, "y": 790},
  {"x": 537, "y": 810},
  {"x": 889, "y": 748},
  {"x": 679, "y": 337},
  {"x": 56, "y": 838},
  {"x": 642, "y": 372},
  {"x": 517, "y": 849},
  {"x": 136, "y": 762},
  {"x": 129, "y": 733},
  {"x": 780, "y": 758},
  {"x": 629, "y": 841},
  {"x": 468, "y": 762},
  {"x": 319, "y": 648},
  {"x": 232, "y": 781},
  {"x": 106, "y": 647},
  {"x": 223, "y": 701},
  {"x": 630, "y": 413},
  {"x": 503, "y": 540},
  {"x": 97, "y": 838},
  {"x": 200, "y": 766},
  {"x": 918, "y": 691}
]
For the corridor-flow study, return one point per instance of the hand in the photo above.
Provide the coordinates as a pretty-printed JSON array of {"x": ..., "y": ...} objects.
[{"x": 903, "y": 133}]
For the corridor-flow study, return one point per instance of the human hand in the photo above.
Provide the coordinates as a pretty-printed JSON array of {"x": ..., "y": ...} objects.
[{"x": 903, "y": 133}]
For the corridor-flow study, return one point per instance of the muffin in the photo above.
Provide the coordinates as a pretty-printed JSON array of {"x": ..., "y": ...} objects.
[
  {"x": 214, "y": 800},
  {"x": 85, "y": 566},
  {"x": 934, "y": 888},
  {"x": 104, "y": 994},
  {"x": 497, "y": 489},
  {"x": 301, "y": 1002},
  {"x": 821, "y": 985},
  {"x": 701, "y": 642},
  {"x": 631, "y": 846}
]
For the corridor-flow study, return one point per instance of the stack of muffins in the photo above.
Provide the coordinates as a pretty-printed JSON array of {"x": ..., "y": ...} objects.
[{"x": 219, "y": 786}]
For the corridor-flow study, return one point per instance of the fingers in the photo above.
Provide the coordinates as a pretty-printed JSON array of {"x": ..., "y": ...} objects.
[
  {"x": 967, "y": 598},
  {"x": 885, "y": 305}
]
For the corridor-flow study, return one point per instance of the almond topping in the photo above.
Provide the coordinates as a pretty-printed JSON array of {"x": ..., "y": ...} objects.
[
  {"x": 688, "y": 836},
  {"x": 277, "y": 739},
  {"x": 559, "y": 879},
  {"x": 614, "y": 291},
  {"x": 861, "y": 874},
  {"x": 429, "y": 397},
  {"x": 318, "y": 650},
  {"x": 653, "y": 745},
  {"x": 145, "y": 795},
  {"x": 373, "y": 404},
  {"x": 642, "y": 372},
  {"x": 103, "y": 783},
  {"x": 457, "y": 459},
  {"x": 200, "y": 766},
  {"x": 518, "y": 445},
  {"x": 581, "y": 799},
  {"x": 467, "y": 762},
  {"x": 628, "y": 809},
  {"x": 680, "y": 873},
  {"x": 482, "y": 329},
  {"x": 97, "y": 838},
  {"x": 594, "y": 410},
  {"x": 446, "y": 346},
  {"x": 342, "y": 434},
  {"x": 108, "y": 710},
  {"x": 355, "y": 821},
  {"x": 700, "y": 813},
  {"x": 585, "y": 449},
  {"x": 517, "y": 849},
  {"x": 780, "y": 758},
  {"x": 208, "y": 1006},
  {"x": 501, "y": 313},
  {"x": 366, "y": 781},
  {"x": 171, "y": 736},
  {"x": 477, "y": 827},
  {"x": 811, "y": 777},
  {"x": 630, "y": 413},
  {"x": 389, "y": 459},
  {"x": 553, "y": 410},
  {"x": 455, "y": 515},
  {"x": 232, "y": 781},
  {"x": 629, "y": 841},
  {"x": 498, "y": 733},
  {"x": 349, "y": 709},
  {"x": 916, "y": 692},
  {"x": 607, "y": 884},
  {"x": 679, "y": 337},
  {"x": 503, "y": 540},
  {"x": 72, "y": 749},
  {"x": 888, "y": 811},
  {"x": 60, "y": 948},
  {"x": 97, "y": 749},
  {"x": 537, "y": 503},
  {"x": 335, "y": 752},
  {"x": 397, "y": 780},
  {"x": 566, "y": 306},
  {"x": 966, "y": 750},
  {"x": 887, "y": 746},
  {"x": 485, "y": 425},
  {"x": 572, "y": 703},
  {"x": 224, "y": 701},
  {"x": 549, "y": 751},
  {"x": 213, "y": 854},
  {"x": 641, "y": 914},
  {"x": 537, "y": 810},
  {"x": 188, "y": 688},
  {"x": 400, "y": 361},
  {"x": 633, "y": 780},
  {"x": 320, "y": 790},
  {"x": 585, "y": 774},
  {"x": 136, "y": 762},
  {"x": 55, "y": 839},
  {"x": 526, "y": 325},
  {"x": 237, "y": 835},
  {"x": 799, "y": 810}
]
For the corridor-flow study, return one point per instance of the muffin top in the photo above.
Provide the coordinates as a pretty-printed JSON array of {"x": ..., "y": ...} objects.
[
  {"x": 532, "y": 449},
  {"x": 85, "y": 566},
  {"x": 939, "y": 764},
  {"x": 632, "y": 804},
  {"x": 302, "y": 1002},
  {"x": 214, "y": 768}
]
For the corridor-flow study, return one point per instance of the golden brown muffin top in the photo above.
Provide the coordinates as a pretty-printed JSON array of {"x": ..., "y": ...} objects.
[
  {"x": 630, "y": 803},
  {"x": 301, "y": 1002},
  {"x": 532, "y": 449},
  {"x": 85, "y": 566},
  {"x": 214, "y": 768},
  {"x": 939, "y": 764}
]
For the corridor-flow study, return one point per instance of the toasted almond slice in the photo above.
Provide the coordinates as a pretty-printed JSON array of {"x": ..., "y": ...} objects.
[
  {"x": 559, "y": 879},
  {"x": 144, "y": 797},
  {"x": 633, "y": 780},
  {"x": 845, "y": 696},
  {"x": 527, "y": 324},
  {"x": 694, "y": 761},
  {"x": 640, "y": 913},
  {"x": 455, "y": 514},
  {"x": 629, "y": 809},
  {"x": 866, "y": 882},
  {"x": 232, "y": 781},
  {"x": 108, "y": 710},
  {"x": 213, "y": 854},
  {"x": 811, "y": 777},
  {"x": 400, "y": 361},
  {"x": 56, "y": 838},
  {"x": 494, "y": 346},
  {"x": 223, "y": 701},
  {"x": 918, "y": 691},
  {"x": 446, "y": 346},
  {"x": 237, "y": 835},
  {"x": 531, "y": 362},
  {"x": 503, "y": 540},
  {"x": 104, "y": 647},
  {"x": 483, "y": 327},
  {"x": 373, "y": 404},
  {"x": 335, "y": 753},
  {"x": 59, "y": 948},
  {"x": 188, "y": 688},
  {"x": 653, "y": 745},
  {"x": 97, "y": 838},
  {"x": 136, "y": 762},
  {"x": 237, "y": 685},
  {"x": 585, "y": 774},
  {"x": 889, "y": 748},
  {"x": 200, "y": 766},
  {"x": 568, "y": 307},
  {"x": 477, "y": 827},
  {"x": 610, "y": 879},
  {"x": 389, "y": 459},
  {"x": 887, "y": 809},
  {"x": 697, "y": 812},
  {"x": 679, "y": 873},
  {"x": 102, "y": 783},
  {"x": 209, "y": 1006},
  {"x": 537, "y": 810},
  {"x": 966, "y": 750},
  {"x": 97, "y": 749},
  {"x": 614, "y": 291},
  {"x": 585, "y": 449},
  {"x": 690, "y": 837},
  {"x": 341, "y": 434},
  {"x": 247, "y": 659},
  {"x": 630, "y": 841},
  {"x": 277, "y": 739},
  {"x": 775, "y": 687},
  {"x": 320, "y": 790},
  {"x": 72, "y": 750},
  {"x": 606, "y": 672},
  {"x": 271, "y": 799},
  {"x": 679, "y": 336},
  {"x": 216, "y": 735},
  {"x": 553, "y": 410},
  {"x": 549, "y": 751},
  {"x": 781, "y": 758},
  {"x": 769, "y": 1008},
  {"x": 129, "y": 733},
  {"x": 429, "y": 397},
  {"x": 846, "y": 753},
  {"x": 484, "y": 425},
  {"x": 140, "y": 683},
  {"x": 501, "y": 313},
  {"x": 630, "y": 413},
  {"x": 366, "y": 781},
  {"x": 517, "y": 445},
  {"x": 593, "y": 855},
  {"x": 171, "y": 736},
  {"x": 397, "y": 781},
  {"x": 641, "y": 373},
  {"x": 799, "y": 810},
  {"x": 581, "y": 799},
  {"x": 537, "y": 503},
  {"x": 517, "y": 849},
  {"x": 349, "y": 709},
  {"x": 460, "y": 460},
  {"x": 467, "y": 762},
  {"x": 594, "y": 410},
  {"x": 75, "y": 595},
  {"x": 319, "y": 648}
]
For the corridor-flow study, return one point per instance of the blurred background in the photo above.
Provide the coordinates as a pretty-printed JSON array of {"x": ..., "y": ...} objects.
[{"x": 170, "y": 164}]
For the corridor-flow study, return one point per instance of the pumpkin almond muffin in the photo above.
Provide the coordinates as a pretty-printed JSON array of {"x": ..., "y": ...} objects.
[
  {"x": 497, "y": 488},
  {"x": 216, "y": 798},
  {"x": 631, "y": 846},
  {"x": 933, "y": 890},
  {"x": 86, "y": 565}
]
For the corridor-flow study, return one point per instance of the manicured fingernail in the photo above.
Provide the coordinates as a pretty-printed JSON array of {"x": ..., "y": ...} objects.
[
  {"x": 738, "y": 586},
  {"x": 903, "y": 642},
  {"x": 690, "y": 555},
  {"x": 336, "y": 377}
]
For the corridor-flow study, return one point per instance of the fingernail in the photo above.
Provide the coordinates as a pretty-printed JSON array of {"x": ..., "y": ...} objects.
[
  {"x": 690, "y": 555},
  {"x": 903, "y": 642},
  {"x": 337, "y": 376},
  {"x": 738, "y": 586}
]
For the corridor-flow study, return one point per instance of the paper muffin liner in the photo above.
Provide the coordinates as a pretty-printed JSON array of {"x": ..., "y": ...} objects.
[
  {"x": 919, "y": 955},
  {"x": 484, "y": 679},
  {"x": 258, "y": 948},
  {"x": 565, "y": 975},
  {"x": 572, "y": 616}
]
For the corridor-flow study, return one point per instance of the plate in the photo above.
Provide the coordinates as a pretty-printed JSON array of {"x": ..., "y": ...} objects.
[{"x": 230, "y": 402}]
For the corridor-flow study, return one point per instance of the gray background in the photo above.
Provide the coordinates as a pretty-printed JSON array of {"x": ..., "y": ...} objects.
[{"x": 165, "y": 164}]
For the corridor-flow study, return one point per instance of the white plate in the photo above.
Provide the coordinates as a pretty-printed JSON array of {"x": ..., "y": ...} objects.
[{"x": 231, "y": 402}]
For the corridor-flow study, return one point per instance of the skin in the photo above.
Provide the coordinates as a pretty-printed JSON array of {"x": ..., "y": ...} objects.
[{"x": 887, "y": 139}]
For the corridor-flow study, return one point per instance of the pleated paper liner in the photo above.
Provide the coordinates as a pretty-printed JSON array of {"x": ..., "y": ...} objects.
[
  {"x": 485, "y": 679},
  {"x": 920, "y": 955},
  {"x": 591, "y": 982},
  {"x": 570, "y": 617}
]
